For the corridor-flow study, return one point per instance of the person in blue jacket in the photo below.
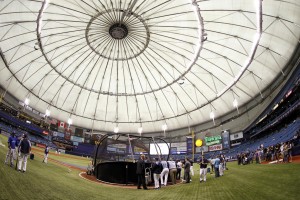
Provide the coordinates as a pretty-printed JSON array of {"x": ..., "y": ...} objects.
[
  {"x": 217, "y": 163},
  {"x": 12, "y": 143}
]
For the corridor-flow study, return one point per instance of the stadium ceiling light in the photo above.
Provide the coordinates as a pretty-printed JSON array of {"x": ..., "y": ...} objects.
[
  {"x": 212, "y": 115},
  {"x": 27, "y": 101},
  {"x": 70, "y": 121},
  {"x": 164, "y": 127},
  {"x": 235, "y": 103},
  {"x": 116, "y": 129},
  {"x": 140, "y": 130},
  {"x": 48, "y": 112}
]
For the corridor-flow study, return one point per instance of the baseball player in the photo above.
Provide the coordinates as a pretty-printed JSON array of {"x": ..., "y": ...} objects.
[
  {"x": 12, "y": 143},
  {"x": 24, "y": 149},
  {"x": 46, "y": 155}
]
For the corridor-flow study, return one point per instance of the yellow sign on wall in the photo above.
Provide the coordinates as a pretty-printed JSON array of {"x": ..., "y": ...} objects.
[{"x": 199, "y": 143}]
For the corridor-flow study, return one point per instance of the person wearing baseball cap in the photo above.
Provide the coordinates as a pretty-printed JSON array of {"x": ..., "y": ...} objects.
[
  {"x": 24, "y": 149},
  {"x": 12, "y": 143}
]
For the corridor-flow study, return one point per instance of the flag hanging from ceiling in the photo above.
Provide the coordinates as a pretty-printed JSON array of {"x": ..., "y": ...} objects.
[{"x": 61, "y": 124}]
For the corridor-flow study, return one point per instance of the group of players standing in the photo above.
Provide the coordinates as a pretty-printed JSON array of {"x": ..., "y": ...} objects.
[
  {"x": 161, "y": 169},
  {"x": 19, "y": 149}
]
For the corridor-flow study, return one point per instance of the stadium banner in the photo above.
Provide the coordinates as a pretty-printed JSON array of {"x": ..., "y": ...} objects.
[
  {"x": 225, "y": 139},
  {"x": 236, "y": 136},
  {"x": 200, "y": 149},
  {"x": 180, "y": 146},
  {"x": 77, "y": 139},
  {"x": 217, "y": 147},
  {"x": 213, "y": 140},
  {"x": 189, "y": 145},
  {"x": 58, "y": 134}
]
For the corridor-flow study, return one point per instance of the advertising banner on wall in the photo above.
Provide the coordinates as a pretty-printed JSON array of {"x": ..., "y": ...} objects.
[
  {"x": 217, "y": 147},
  {"x": 213, "y": 140},
  {"x": 225, "y": 139},
  {"x": 236, "y": 136},
  {"x": 77, "y": 139},
  {"x": 59, "y": 134},
  {"x": 200, "y": 149},
  {"x": 180, "y": 146},
  {"x": 189, "y": 145}
]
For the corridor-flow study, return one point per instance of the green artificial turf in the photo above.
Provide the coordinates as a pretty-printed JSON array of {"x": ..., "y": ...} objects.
[
  {"x": 52, "y": 181},
  {"x": 70, "y": 159}
]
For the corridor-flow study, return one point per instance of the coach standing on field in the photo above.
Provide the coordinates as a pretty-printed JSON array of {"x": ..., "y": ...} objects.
[
  {"x": 140, "y": 171},
  {"x": 24, "y": 150}
]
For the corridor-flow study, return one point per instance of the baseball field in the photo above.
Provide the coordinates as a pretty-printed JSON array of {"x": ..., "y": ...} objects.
[{"x": 59, "y": 179}]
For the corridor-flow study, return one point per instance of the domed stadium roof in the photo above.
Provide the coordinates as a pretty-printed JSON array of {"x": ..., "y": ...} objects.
[{"x": 144, "y": 63}]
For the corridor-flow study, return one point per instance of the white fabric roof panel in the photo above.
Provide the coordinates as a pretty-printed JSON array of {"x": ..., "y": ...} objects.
[{"x": 108, "y": 64}]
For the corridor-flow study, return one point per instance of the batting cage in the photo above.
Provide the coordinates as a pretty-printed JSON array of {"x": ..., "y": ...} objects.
[{"x": 115, "y": 157}]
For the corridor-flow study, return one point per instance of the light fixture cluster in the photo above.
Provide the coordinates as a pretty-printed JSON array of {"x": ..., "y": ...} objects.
[
  {"x": 236, "y": 105},
  {"x": 70, "y": 121},
  {"x": 27, "y": 101},
  {"x": 164, "y": 127},
  {"x": 47, "y": 113},
  {"x": 116, "y": 129},
  {"x": 140, "y": 130}
]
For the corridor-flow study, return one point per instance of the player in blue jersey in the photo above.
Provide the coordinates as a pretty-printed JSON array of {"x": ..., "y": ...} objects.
[{"x": 12, "y": 144}]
